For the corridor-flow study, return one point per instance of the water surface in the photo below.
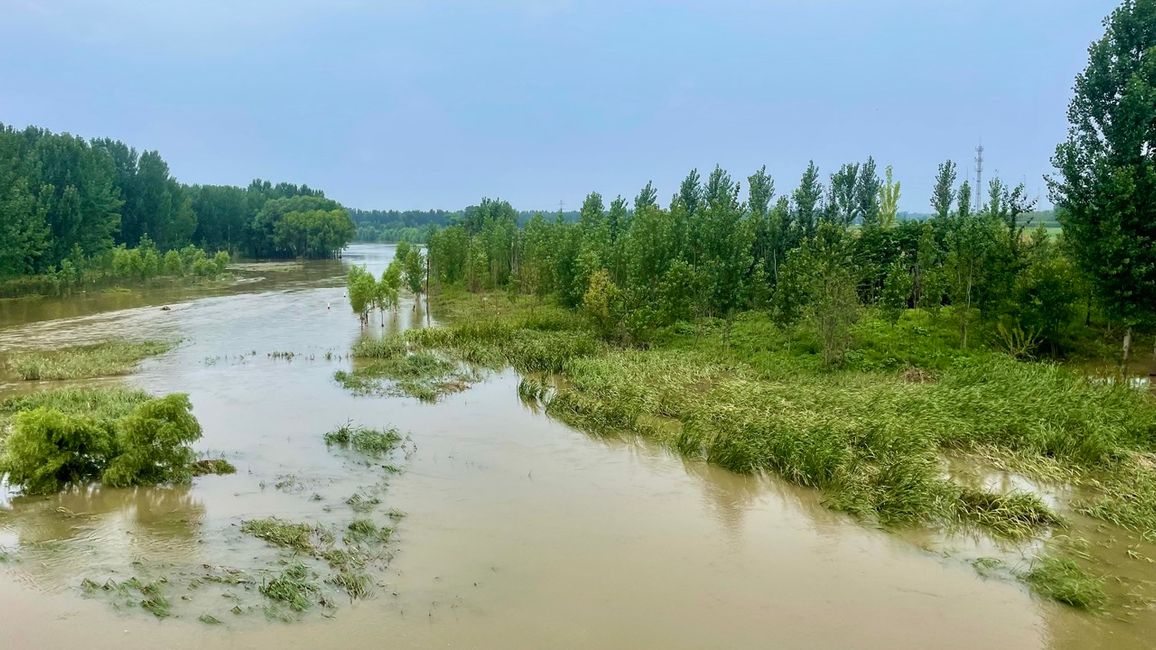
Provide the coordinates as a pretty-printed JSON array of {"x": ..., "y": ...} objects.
[{"x": 520, "y": 532}]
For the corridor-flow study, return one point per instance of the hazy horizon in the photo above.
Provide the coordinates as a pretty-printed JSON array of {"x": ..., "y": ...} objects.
[{"x": 435, "y": 105}]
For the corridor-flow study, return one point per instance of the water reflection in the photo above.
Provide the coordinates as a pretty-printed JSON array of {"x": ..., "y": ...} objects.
[{"x": 520, "y": 532}]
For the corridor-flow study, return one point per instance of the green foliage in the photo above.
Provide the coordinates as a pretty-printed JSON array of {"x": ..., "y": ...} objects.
[
  {"x": 371, "y": 442},
  {"x": 212, "y": 466},
  {"x": 48, "y": 450},
  {"x": 105, "y": 359},
  {"x": 363, "y": 292},
  {"x": 294, "y": 587},
  {"x": 67, "y": 202},
  {"x": 1063, "y": 580},
  {"x": 1105, "y": 193},
  {"x": 602, "y": 303},
  {"x": 123, "y": 439},
  {"x": 153, "y": 444},
  {"x": 303, "y": 538}
]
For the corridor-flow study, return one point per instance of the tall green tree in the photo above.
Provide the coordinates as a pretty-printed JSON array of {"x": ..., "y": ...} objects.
[
  {"x": 943, "y": 194},
  {"x": 1106, "y": 186}
]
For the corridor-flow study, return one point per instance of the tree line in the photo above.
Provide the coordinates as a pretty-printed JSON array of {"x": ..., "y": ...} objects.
[
  {"x": 829, "y": 248},
  {"x": 66, "y": 198},
  {"x": 819, "y": 253},
  {"x": 391, "y": 226}
]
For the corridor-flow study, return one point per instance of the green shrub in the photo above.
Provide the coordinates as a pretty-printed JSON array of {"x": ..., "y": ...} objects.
[
  {"x": 48, "y": 450},
  {"x": 127, "y": 440}
]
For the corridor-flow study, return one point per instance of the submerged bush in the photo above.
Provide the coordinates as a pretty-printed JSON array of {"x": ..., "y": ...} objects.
[{"x": 51, "y": 447}]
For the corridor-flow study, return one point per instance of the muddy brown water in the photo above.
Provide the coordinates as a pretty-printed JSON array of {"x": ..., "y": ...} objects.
[{"x": 520, "y": 532}]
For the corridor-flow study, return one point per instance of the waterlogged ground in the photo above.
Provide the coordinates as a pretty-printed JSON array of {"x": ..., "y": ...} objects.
[{"x": 518, "y": 531}]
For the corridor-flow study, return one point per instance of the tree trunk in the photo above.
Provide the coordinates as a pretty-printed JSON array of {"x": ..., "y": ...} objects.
[{"x": 1127, "y": 350}]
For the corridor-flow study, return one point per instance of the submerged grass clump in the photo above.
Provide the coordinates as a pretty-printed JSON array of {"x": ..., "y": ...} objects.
[
  {"x": 1063, "y": 580},
  {"x": 371, "y": 442},
  {"x": 355, "y": 583},
  {"x": 294, "y": 587},
  {"x": 105, "y": 359},
  {"x": 300, "y": 537},
  {"x": 213, "y": 466},
  {"x": 148, "y": 596},
  {"x": 393, "y": 371},
  {"x": 1014, "y": 515}
]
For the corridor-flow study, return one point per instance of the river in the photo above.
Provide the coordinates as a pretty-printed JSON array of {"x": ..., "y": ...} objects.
[{"x": 519, "y": 532}]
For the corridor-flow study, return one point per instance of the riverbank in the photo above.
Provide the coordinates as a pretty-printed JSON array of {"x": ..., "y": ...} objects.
[{"x": 877, "y": 438}]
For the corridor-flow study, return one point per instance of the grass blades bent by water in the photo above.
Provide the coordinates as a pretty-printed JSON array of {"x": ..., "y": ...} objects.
[{"x": 105, "y": 359}]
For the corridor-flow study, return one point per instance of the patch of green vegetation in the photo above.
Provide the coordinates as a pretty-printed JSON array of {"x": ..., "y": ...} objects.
[
  {"x": 362, "y": 530},
  {"x": 300, "y": 537},
  {"x": 148, "y": 596},
  {"x": 355, "y": 583},
  {"x": 1015, "y": 515},
  {"x": 371, "y": 442},
  {"x": 105, "y": 359},
  {"x": 103, "y": 403},
  {"x": 213, "y": 466},
  {"x": 421, "y": 374},
  {"x": 294, "y": 587},
  {"x": 123, "y": 438},
  {"x": 209, "y": 619},
  {"x": 1126, "y": 496},
  {"x": 1063, "y": 580},
  {"x": 988, "y": 566},
  {"x": 361, "y": 503}
]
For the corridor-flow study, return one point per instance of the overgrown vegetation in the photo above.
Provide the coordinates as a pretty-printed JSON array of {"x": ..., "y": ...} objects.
[
  {"x": 104, "y": 359},
  {"x": 114, "y": 435},
  {"x": 755, "y": 395}
]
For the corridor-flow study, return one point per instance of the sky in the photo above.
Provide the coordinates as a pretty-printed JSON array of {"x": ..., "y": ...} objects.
[{"x": 421, "y": 104}]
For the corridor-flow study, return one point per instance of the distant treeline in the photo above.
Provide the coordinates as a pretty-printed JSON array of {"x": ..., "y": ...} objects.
[
  {"x": 392, "y": 226},
  {"x": 414, "y": 225},
  {"x": 1045, "y": 218},
  {"x": 66, "y": 198}
]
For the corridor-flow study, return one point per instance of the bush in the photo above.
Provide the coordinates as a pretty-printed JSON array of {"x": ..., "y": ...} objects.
[{"x": 50, "y": 448}]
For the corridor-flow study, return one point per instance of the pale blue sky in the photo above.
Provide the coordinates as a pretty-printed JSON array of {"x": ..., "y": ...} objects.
[{"x": 434, "y": 104}]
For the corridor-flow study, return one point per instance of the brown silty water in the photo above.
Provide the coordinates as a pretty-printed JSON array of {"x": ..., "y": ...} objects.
[{"x": 520, "y": 532}]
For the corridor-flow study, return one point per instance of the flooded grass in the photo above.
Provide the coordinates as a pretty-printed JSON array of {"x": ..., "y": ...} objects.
[
  {"x": 370, "y": 442},
  {"x": 754, "y": 398},
  {"x": 1063, "y": 580},
  {"x": 207, "y": 466},
  {"x": 300, "y": 537},
  {"x": 362, "y": 503},
  {"x": 358, "y": 585},
  {"x": 391, "y": 370},
  {"x": 1015, "y": 515},
  {"x": 295, "y": 588},
  {"x": 130, "y": 592},
  {"x": 105, "y": 359}
]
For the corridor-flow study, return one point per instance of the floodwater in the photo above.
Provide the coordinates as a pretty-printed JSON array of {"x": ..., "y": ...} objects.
[{"x": 519, "y": 532}]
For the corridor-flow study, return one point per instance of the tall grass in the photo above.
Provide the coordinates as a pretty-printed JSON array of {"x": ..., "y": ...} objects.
[{"x": 105, "y": 359}]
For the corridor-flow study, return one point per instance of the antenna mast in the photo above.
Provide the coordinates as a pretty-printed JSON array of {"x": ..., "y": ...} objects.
[{"x": 978, "y": 176}]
